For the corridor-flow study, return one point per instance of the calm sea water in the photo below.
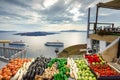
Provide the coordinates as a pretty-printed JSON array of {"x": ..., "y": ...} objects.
[{"x": 35, "y": 44}]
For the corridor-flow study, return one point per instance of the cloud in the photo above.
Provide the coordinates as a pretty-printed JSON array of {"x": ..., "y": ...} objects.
[
  {"x": 48, "y": 3},
  {"x": 38, "y": 13},
  {"x": 76, "y": 13},
  {"x": 42, "y": 11}
]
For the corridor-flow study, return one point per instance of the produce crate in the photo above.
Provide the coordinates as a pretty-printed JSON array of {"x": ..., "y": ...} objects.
[
  {"x": 109, "y": 78},
  {"x": 104, "y": 76},
  {"x": 115, "y": 66}
]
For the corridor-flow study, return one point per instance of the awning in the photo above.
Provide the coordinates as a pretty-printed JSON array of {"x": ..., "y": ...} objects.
[{"x": 114, "y": 4}]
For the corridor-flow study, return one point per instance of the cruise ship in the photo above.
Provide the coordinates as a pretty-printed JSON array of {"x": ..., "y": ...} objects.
[
  {"x": 17, "y": 43},
  {"x": 58, "y": 44}
]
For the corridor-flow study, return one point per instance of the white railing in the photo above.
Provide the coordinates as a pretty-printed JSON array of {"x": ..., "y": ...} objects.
[{"x": 9, "y": 53}]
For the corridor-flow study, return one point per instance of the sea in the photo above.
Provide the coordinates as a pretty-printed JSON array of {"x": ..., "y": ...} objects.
[{"x": 35, "y": 45}]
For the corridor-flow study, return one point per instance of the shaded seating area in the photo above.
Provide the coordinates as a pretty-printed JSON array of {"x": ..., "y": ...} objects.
[
  {"x": 108, "y": 31},
  {"x": 114, "y": 4}
]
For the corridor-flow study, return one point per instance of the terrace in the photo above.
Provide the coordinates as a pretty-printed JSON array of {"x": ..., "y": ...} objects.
[
  {"x": 9, "y": 53},
  {"x": 104, "y": 38},
  {"x": 104, "y": 28}
]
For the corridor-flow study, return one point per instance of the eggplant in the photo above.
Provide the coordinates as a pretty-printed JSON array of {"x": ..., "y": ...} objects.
[
  {"x": 41, "y": 71},
  {"x": 27, "y": 76},
  {"x": 32, "y": 74},
  {"x": 37, "y": 67},
  {"x": 38, "y": 70},
  {"x": 45, "y": 66}
]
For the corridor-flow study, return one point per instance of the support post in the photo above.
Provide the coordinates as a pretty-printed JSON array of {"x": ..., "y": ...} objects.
[
  {"x": 88, "y": 26},
  {"x": 112, "y": 26},
  {"x": 96, "y": 21},
  {"x": 3, "y": 44},
  {"x": 118, "y": 53}
]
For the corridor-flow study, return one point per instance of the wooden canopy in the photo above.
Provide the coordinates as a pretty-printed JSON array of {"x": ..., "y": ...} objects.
[
  {"x": 4, "y": 41},
  {"x": 114, "y": 4}
]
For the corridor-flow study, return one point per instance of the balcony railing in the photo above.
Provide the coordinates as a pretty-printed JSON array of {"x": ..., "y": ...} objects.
[
  {"x": 103, "y": 29},
  {"x": 9, "y": 53}
]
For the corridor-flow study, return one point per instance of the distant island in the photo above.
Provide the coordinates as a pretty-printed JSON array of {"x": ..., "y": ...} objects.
[
  {"x": 73, "y": 31},
  {"x": 36, "y": 33},
  {"x": 41, "y": 33},
  {"x": 1, "y": 31}
]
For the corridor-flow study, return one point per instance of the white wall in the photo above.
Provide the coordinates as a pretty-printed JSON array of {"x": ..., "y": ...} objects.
[
  {"x": 89, "y": 44},
  {"x": 102, "y": 45}
]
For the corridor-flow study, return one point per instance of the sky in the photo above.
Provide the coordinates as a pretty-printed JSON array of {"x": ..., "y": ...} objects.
[{"x": 51, "y": 15}]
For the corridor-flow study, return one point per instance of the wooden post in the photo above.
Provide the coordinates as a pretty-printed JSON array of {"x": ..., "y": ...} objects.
[
  {"x": 118, "y": 53},
  {"x": 96, "y": 21},
  {"x": 88, "y": 26},
  {"x": 25, "y": 53},
  {"x": 112, "y": 26},
  {"x": 7, "y": 52},
  {"x": 3, "y": 44},
  {"x": 0, "y": 52}
]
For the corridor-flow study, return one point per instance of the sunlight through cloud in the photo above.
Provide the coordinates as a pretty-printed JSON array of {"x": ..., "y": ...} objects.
[{"x": 48, "y": 3}]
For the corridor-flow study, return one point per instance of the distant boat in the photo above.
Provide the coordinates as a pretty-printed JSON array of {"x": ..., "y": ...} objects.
[
  {"x": 58, "y": 44},
  {"x": 56, "y": 50},
  {"x": 17, "y": 43}
]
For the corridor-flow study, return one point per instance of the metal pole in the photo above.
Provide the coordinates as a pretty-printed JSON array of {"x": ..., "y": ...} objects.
[
  {"x": 88, "y": 26},
  {"x": 96, "y": 18}
]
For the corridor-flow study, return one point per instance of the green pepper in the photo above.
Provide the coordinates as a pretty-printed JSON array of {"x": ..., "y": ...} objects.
[
  {"x": 55, "y": 77},
  {"x": 62, "y": 69},
  {"x": 65, "y": 77}
]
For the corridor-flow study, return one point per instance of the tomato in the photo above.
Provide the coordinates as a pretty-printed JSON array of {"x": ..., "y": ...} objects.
[
  {"x": 104, "y": 70},
  {"x": 11, "y": 68}
]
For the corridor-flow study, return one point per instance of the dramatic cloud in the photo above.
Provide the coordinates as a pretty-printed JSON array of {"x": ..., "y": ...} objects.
[{"x": 37, "y": 14}]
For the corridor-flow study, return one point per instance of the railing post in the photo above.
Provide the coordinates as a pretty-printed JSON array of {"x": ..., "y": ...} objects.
[
  {"x": 3, "y": 44},
  {"x": 95, "y": 27},
  {"x": 10, "y": 53},
  {"x": 24, "y": 53},
  {"x": 0, "y": 52},
  {"x": 88, "y": 26},
  {"x": 112, "y": 25}
]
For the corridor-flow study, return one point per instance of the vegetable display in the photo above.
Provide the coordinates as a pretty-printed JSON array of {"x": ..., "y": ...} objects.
[
  {"x": 48, "y": 73},
  {"x": 93, "y": 67},
  {"x": 22, "y": 71},
  {"x": 84, "y": 72},
  {"x": 56, "y": 70},
  {"x": 73, "y": 68},
  {"x": 61, "y": 66},
  {"x": 94, "y": 59},
  {"x": 104, "y": 70},
  {"x": 36, "y": 68},
  {"x": 8, "y": 71}
]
